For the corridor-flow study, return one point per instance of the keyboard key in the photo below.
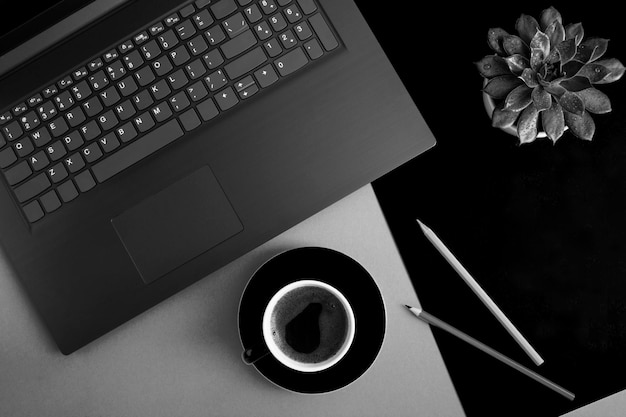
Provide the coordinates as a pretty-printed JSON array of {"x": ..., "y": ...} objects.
[
  {"x": 73, "y": 141},
  {"x": 178, "y": 79},
  {"x": 263, "y": 31},
  {"x": 109, "y": 143},
  {"x": 81, "y": 90},
  {"x": 223, "y": 8},
  {"x": 213, "y": 59},
  {"x": 110, "y": 56},
  {"x": 203, "y": 20},
  {"x": 92, "y": 106},
  {"x": 92, "y": 153},
  {"x": 143, "y": 122},
  {"x": 216, "y": 80},
  {"x": 50, "y": 201},
  {"x": 197, "y": 91},
  {"x": 207, "y": 110},
  {"x": 33, "y": 211},
  {"x": 141, "y": 38},
  {"x": 291, "y": 62},
  {"x": 74, "y": 163},
  {"x": 125, "y": 110},
  {"x": 278, "y": 22},
  {"x": 57, "y": 173},
  {"x": 180, "y": 56},
  {"x": 99, "y": 80},
  {"x": 84, "y": 181},
  {"x": 110, "y": 96},
  {"x": 235, "y": 25},
  {"x": 244, "y": 2},
  {"x": 288, "y": 39},
  {"x": 253, "y": 13},
  {"x": 179, "y": 101},
  {"x": 241, "y": 43},
  {"x": 246, "y": 63},
  {"x": 161, "y": 112},
  {"x": 7, "y": 158},
  {"x": 90, "y": 131},
  {"x": 116, "y": 70},
  {"x": 215, "y": 35},
  {"x": 58, "y": 127},
  {"x": 268, "y": 6},
  {"x": 18, "y": 173},
  {"x": 64, "y": 101},
  {"x": 107, "y": 120},
  {"x": 23, "y": 147},
  {"x": 185, "y": 30},
  {"x": 65, "y": 82},
  {"x": 308, "y": 6},
  {"x": 127, "y": 87},
  {"x": 151, "y": 50},
  {"x": 47, "y": 110},
  {"x": 126, "y": 46},
  {"x": 39, "y": 161},
  {"x": 168, "y": 40},
  {"x": 314, "y": 49},
  {"x": 75, "y": 117},
  {"x": 41, "y": 137},
  {"x": 162, "y": 66},
  {"x": 67, "y": 191},
  {"x": 195, "y": 69},
  {"x": 202, "y": 3},
  {"x": 172, "y": 19},
  {"x": 273, "y": 48},
  {"x": 49, "y": 91},
  {"x": 323, "y": 32},
  {"x": 143, "y": 100},
  {"x": 5, "y": 118},
  {"x": 13, "y": 130},
  {"x": 197, "y": 45},
  {"x": 303, "y": 31},
  {"x": 248, "y": 91},
  {"x": 226, "y": 99},
  {"x": 160, "y": 90},
  {"x": 35, "y": 100},
  {"x": 137, "y": 150},
  {"x": 29, "y": 120},
  {"x": 32, "y": 187},
  {"x": 156, "y": 28},
  {"x": 19, "y": 109},
  {"x": 133, "y": 60},
  {"x": 293, "y": 14},
  {"x": 144, "y": 76},
  {"x": 126, "y": 132},
  {"x": 187, "y": 10},
  {"x": 56, "y": 151},
  {"x": 189, "y": 120}
]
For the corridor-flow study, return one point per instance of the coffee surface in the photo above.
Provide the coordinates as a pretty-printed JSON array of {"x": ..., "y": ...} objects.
[{"x": 309, "y": 324}]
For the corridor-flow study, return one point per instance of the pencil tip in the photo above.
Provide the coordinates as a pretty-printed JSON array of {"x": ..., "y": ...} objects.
[
  {"x": 422, "y": 225},
  {"x": 407, "y": 306}
]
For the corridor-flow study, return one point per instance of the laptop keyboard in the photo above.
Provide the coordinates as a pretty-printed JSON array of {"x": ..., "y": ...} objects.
[{"x": 147, "y": 91}]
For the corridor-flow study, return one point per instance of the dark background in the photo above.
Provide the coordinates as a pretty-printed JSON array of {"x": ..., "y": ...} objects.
[{"x": 540, "y": 226}]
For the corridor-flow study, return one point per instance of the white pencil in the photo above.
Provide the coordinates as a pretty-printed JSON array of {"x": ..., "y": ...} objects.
[
  {"x": 434, "y": 321},
  {"x": 482, "y": 295}
]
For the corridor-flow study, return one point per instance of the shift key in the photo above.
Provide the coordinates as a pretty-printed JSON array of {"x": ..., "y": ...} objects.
[{"x": 246, "y": 63}]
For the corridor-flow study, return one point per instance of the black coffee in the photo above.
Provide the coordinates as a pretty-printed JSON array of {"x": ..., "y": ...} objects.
[{"x": 309, "y": 324}]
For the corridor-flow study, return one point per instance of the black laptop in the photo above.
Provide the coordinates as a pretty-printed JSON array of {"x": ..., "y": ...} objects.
[{"x": 145, "y": 144}]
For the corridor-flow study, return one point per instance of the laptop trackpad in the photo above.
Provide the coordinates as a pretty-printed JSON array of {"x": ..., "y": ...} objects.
[{"x": 177, "y": 224}]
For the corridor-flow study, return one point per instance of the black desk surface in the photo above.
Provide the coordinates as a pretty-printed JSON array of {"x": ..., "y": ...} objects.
[{"x": 541, "y": 227}]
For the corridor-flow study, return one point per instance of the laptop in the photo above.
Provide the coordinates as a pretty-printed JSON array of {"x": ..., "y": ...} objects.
[{"x": 145, "y": 144}]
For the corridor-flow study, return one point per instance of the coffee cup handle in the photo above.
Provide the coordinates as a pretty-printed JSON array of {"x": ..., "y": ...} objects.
[{"x": 253, "y": 354}]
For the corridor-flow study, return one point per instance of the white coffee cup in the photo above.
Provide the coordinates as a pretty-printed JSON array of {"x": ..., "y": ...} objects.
[{"x": 336, "y": 337}]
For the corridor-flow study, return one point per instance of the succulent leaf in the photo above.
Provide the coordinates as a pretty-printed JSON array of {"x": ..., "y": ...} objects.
[
  {"x": 582, "y": 126},
  {"x": 499, "y": 87},
  {"x": 549, "y": 16},
  {"x": 517, "y": 63},
  {"x": 575, "y": 84},
  {"x": 518, "y": 99},
  {"x": 595, "y": 72},
  {"x": 553, "y": 121},
  {"x": 572, "y": 103},
  {"x": 615, "y": 68},
  {"x": 591, "y": 49},
  {"x": 541, "y": 98},
  {"x": 503, "y": 118},
  {"x": 526, "y": 27},
  {"x": 527, "y": 124},
  {"x": 495, "y": 37},
  {"x": 572, "y": 68},
  {"x": 529, "y": 77},
  {"x": 539, "y": 49},
  {"x": 567, "y": 50},
  {"x": 514, "y": 45},
  {"x": 555, "y": 88},
  {"x": 595, "y": 101},
  {"x": 556, "y": 33},
  {"x": 492, "y": 65},
  {"x": 575, "y": 31}
]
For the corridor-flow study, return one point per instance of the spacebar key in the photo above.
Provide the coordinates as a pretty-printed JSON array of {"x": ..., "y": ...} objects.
[{"x": 137, "y": 150}]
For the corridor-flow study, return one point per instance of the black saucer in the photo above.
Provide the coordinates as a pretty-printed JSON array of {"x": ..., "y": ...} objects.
[{"x": 338, "y": 270}]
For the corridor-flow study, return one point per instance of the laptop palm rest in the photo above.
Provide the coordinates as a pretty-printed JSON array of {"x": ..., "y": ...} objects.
[{"x": 177, "y": 224}]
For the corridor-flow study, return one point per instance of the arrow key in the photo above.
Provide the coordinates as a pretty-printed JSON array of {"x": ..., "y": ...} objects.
[
  {"x": 249, "y": 92},
  {"x": 266, "y": 76},
  {"x": 226, "y": 99}
]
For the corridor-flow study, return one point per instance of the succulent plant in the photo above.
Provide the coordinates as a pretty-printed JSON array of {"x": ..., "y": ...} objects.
[{"x": 544, "y": 77}]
